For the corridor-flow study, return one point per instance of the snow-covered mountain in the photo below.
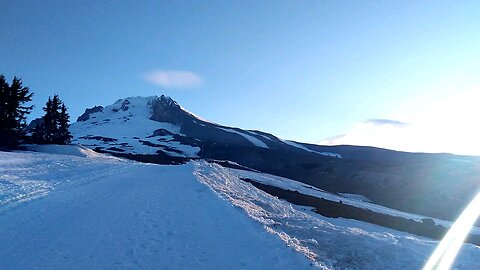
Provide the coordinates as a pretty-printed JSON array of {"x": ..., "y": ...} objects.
[
  {"x": 128, "y": 126},
  {"x": 159, "y": 125}
]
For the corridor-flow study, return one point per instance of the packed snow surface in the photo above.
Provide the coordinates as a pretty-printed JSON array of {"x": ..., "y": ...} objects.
[
  {"x": 71, "y": 150},
  {"x": 107, "y": 213}
]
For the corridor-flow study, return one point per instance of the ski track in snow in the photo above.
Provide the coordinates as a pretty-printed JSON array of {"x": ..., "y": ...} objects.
[
  {"x": 330, "y": 243},
  {"x": 108, "y": 213}
]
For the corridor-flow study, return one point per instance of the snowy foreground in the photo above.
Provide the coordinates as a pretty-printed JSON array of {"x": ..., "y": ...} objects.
[
  {"x": 104, "y": 213},
  {"x": 84, "y": 210}
]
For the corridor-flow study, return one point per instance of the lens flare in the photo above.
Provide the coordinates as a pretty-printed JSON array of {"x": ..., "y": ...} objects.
[{"x": 446, "y": 252}]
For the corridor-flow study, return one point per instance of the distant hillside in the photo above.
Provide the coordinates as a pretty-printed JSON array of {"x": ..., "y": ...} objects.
[{"x": 159, "y": 130}]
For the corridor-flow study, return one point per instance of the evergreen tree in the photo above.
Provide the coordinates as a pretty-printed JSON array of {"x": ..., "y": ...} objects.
[
  {"x": 13, "y": 113},
  {"x": 49, "y": 123},
  {"x": 38, "y": 134},
  {"x": 65, "y": 136},
  {"x": 54, "y": 129},
  {"x": 4, "y": 92}
]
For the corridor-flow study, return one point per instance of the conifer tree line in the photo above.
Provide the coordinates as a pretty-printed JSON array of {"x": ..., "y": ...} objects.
[
  {"x": 54, "y": 127},
  {"x": 51, "y": 129}
]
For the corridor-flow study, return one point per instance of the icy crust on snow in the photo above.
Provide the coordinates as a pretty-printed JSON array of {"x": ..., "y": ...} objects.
[
  {"x": 346, "y": 198},
  {"x": 124, "y": 125},
  {"x": 118, "y": 214},
  {"x": 25, "y": 176},
  {"x": 15, "y": 189},
  {"x": 253, "y": 140},
  {"x": 294, "y": 144},
  {"x": 330, "y": 243}
]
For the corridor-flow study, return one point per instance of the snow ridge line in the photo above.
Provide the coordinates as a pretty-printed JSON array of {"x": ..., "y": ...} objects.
[
  {"x": 258, "y": 205},
  {"x": 330, "y": 243}
]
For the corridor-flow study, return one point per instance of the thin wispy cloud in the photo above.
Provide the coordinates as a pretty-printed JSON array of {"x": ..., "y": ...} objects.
[
  {"x": 447, "y": 125},
  {"x": 386, "y": 122},
  {"x": 173, "y": 78},
  {"x": 384, "y": 133},
  {"x": 332, "y": 140}
]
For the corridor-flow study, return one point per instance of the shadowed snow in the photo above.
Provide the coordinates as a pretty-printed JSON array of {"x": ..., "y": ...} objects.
[{"x": 118, "y": 214}]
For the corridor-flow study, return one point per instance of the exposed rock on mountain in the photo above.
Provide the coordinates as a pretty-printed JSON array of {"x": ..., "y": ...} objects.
[{"x": 86, "y": 114}]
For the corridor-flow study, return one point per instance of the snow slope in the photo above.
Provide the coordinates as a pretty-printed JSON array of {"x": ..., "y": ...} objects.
[
  {"x": 62, "y": 211},
  {"x": 331, "y": 243},
  {"x": 71, "y": 150},
  {"x": 297, "y": 145},
  {"x": 346, "y": 198},
  {"x": 108, "y": 213},
  {"x": 253, "y": 140}
]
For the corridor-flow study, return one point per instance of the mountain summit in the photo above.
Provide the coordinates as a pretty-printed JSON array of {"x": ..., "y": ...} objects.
[{"x": 159, "y": 125}]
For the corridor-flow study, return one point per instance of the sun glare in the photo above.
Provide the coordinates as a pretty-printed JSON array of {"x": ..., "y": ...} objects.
[
  {"x": 446, "y": 125},
  {"x": 446, "y": 252}
]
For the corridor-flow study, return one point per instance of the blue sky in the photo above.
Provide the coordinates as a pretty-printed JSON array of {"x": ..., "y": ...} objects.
[{"x": 302, "y": 70}]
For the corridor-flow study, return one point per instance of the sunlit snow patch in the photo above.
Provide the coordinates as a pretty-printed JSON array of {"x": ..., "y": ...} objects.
[
  {"x": 250, "y": 138},
  {"x": 25, "y": 176},
  {"x": 297, "y": 145},
  {"x": 14, "y": 189}
]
